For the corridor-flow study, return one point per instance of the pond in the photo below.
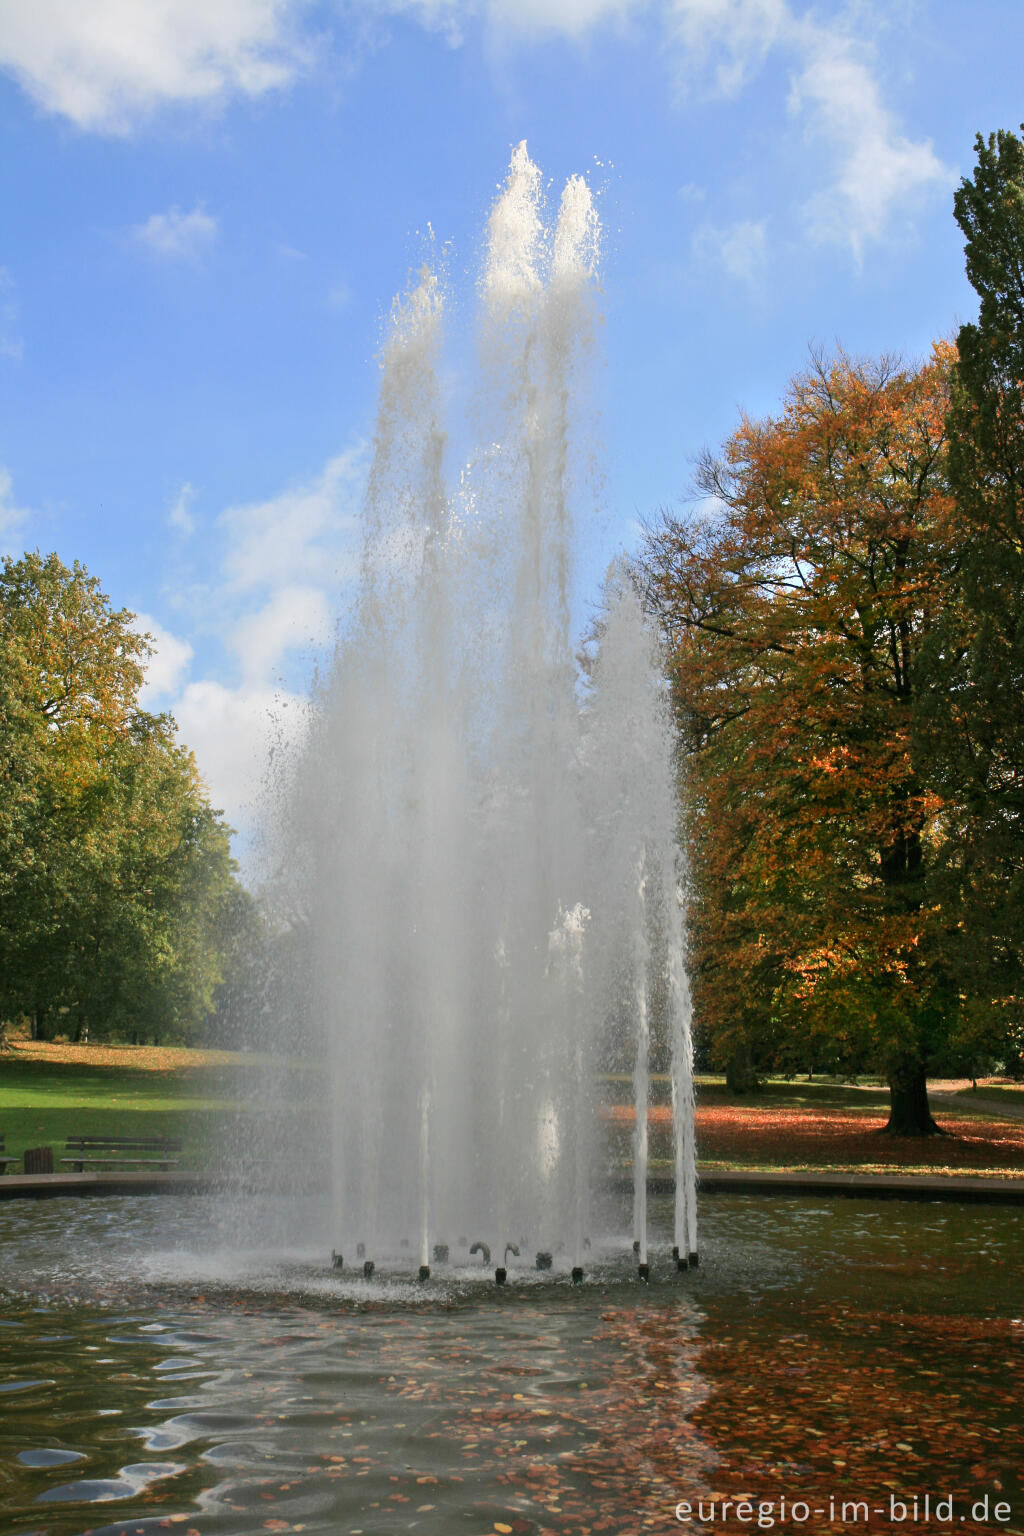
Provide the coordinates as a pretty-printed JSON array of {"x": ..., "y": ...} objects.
[{"x": 162, "y": 1370}]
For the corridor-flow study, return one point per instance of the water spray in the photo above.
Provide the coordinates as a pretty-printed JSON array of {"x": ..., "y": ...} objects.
[{"x": 470, "y": 790}]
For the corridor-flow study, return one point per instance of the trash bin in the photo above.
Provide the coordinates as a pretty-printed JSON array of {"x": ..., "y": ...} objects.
[{"x": 38, "y": 1159}]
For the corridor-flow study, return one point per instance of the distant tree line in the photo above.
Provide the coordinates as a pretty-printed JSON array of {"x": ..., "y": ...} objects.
[
  {"x": 121, "y": 914},
  {"x": 843, "y": 610}
]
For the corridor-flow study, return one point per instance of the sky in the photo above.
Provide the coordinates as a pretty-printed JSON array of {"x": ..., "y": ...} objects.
[{"x": 206, "y": 207}]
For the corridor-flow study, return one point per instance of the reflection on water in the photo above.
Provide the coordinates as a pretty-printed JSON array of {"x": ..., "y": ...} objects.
[{"x": 151, "y": 1379}]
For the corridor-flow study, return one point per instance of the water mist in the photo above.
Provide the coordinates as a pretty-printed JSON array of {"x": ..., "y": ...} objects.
[{"x": 490, "y": 837}]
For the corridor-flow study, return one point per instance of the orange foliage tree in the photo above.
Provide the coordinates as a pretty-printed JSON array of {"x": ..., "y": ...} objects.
[{"x": 795, "y": 600}]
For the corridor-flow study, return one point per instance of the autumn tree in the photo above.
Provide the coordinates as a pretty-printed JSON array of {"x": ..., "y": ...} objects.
[
  {"x": 113, "y": 866},
  {"x": 795, "y": 604}
]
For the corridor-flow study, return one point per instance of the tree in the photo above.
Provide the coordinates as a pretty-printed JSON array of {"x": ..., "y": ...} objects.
[
  {"x": 972, "y": 723},
  {"x": 795, "y": 615},
  {"x": 113, "y": 865}
]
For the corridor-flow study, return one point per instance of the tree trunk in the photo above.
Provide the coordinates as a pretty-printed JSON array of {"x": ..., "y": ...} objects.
[
  {"x": 740, "y": 1074},
  {"x": 909, "y": 1114}
]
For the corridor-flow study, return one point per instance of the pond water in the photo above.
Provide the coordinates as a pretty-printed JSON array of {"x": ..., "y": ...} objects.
[{"x": 161, "y": 1370}]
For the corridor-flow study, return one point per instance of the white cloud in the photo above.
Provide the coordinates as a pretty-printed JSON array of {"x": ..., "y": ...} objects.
[
  {"x": 721, "y": 44},
  {"x": 107, "y": 64},
  {"x": 234, "y": 733},
  {"x": 571, "y": 18},
  {"x": 294, "y": 618},
  {"x": 305, "y": 535},
  {"x": 178, "y": 236},
  {"x": 12, "y": 517},
  {"x": 739, "y": 249},
  {"x": 880, "y": 175},
  {"x": 179, "y": 515},
  {"x": 875, "y": 175},
  {"x": 273, "y": 596},
  {"x": 167, "y": 665}
]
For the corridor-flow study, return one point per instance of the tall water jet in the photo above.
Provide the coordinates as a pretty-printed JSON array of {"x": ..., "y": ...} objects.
[
  {"x": 489, "y": 837},
  {"x": 637, "y": 882}
]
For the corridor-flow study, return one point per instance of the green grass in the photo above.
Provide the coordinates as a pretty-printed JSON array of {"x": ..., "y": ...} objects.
[
  {"x": 1013, "y": 1095},
  {"x": 42, "y": 1103},
  {"x": 775, "y": 1093}
]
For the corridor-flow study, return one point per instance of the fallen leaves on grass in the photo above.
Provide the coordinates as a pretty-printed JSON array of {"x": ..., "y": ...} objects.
[
  {"x": 141, "y": 1058},
  {"x": 785, "y": 1138}
]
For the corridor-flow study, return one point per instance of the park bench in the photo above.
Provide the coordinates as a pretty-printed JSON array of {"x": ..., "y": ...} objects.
[
  {"x": 121, "y": 1151},
  {"x": 3, "y": 1159}
]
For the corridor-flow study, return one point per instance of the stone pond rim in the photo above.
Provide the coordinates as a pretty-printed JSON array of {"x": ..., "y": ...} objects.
[{"x": 995, "y": 1190}]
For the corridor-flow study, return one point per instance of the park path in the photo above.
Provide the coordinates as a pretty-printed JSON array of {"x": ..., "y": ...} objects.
[
  {"x": 955, "y": 1094},
  {"x": 1006, "y": 1109}
]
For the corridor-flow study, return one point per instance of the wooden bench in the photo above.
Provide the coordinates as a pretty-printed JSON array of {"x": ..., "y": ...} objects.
[
  {"x": 5, "y": 1160},
  {"x": 120, "y": 1151}
]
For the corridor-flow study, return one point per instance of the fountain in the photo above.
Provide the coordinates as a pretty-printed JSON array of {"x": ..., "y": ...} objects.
[{"x": 486, "y": 831}]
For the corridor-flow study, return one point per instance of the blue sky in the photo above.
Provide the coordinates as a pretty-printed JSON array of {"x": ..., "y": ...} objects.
[{"x": 207, "y": 206}]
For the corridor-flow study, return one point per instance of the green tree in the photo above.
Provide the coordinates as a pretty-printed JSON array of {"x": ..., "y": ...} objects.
[
  {"x": 113, "y": 866},
  {"x": 972, "y": 722}
]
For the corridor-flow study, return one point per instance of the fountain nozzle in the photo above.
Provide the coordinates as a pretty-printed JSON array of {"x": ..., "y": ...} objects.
[
  {"x": 644, "y": 1273},
  {"x": 543, "y": 1261},
  {"x": 500, "y": 1275},
  {"x": 368, "y": 1267},
  {"x": 337, "y": 1260},
  {"x": 424, "y": 1271},
  {"x": 577, "y": 1274},
  {"x": 693, "y": 1259}
]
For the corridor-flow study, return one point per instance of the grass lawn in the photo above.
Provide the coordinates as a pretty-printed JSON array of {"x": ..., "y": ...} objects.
[
  {"x": 1013, "y": 1093},
  {"x": 51, "y": 1091}
]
